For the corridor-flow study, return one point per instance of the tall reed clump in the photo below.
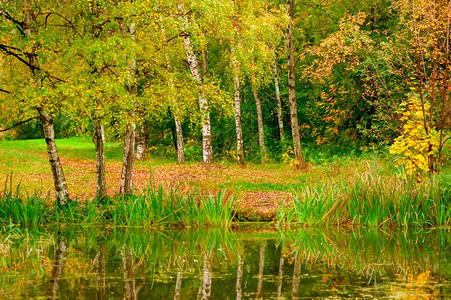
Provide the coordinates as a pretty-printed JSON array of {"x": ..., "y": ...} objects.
[
  {"x": 13, "y": 209},
  {"x": 153, "y": 206},
  {"x": 156, "y": 206},
  {"x": 372, "y": 200}
]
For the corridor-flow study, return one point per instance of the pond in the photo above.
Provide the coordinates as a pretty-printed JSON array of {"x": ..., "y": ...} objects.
[{"x": 240, "y": 263}]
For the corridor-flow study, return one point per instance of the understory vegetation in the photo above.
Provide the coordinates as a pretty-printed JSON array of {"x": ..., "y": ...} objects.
[
  {"x": 370, "y": 200},
  {"x": 207, "y": 112},
  {"x": 154, "y": 207},
  {"x": 344, "y": 190}
]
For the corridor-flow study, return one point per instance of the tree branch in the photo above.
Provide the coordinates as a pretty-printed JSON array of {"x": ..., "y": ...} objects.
[
  {"x": 5, "y": 49},
  {"x": 9, "y": 17},
  {"x": 181, "y": 34},
  {"x": 20, "y": 123}
]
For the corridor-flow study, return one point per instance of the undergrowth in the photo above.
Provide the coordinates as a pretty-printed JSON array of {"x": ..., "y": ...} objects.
[
  {"x": 153, "y": 207},
  {"x": 370, "y": 200}
]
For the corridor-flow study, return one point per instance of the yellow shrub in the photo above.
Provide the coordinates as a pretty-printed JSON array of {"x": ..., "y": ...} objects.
[{"x": 414, "y": 143}]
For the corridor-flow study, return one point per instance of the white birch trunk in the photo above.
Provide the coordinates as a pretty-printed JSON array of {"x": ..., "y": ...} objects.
[
  {"x": 101, "y": 191},
  {"x": 179, "y": 134},
  {"x": 292, "y": 91},
  {"x": 61, "y": 192},
  {"x": 261, "y": 133},
  {"x": 237, "y": 104},
  {"x": 178, "y": 123},
  {"x": 128, "y": 161},
  {"x": 141, "y": 143},
  {"x": 207, "y": 149},
  {"x": 129, "y": 141},
  {"x": 278, "y": 102}
]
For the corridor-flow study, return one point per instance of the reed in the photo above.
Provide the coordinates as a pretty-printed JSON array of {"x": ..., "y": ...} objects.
[
  {"x": 372, "y": 200},
  {"x": 152, "y": 207}
]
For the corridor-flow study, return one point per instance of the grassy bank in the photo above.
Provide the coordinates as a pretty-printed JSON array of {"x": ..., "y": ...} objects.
[
  {"x": 366, "y": 200},
  {"x": 370, "y": 200},
  {"x": 154, "y": 207},
  {"x": 346, "y": 191}
]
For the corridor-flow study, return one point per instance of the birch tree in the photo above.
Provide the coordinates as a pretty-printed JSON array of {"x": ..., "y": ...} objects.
[
  {"x": 25, "y": 43},
  {"x": 195, "y": 72},
  {"x": 260, "y": 27},
  {"x": 292, "y": 90},
  {"x": 234, "y": 40}
]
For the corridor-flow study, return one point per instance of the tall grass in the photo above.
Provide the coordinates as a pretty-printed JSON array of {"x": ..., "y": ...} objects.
[
  {"x": 371, "y": 200},
  {"x": 154, "y": 206}
]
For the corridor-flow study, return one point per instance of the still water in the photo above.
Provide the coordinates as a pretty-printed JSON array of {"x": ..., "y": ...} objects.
[{"x": 246, "y": 263}]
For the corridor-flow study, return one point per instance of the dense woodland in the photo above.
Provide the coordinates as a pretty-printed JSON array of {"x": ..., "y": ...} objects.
[{"x": 240, "y": 80}]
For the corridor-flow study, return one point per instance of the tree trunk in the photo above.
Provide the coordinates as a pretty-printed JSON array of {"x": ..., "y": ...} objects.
[
  {"x": 128, "y": 161},
  {"x": 129, "y": 141},
  {"x": 58, "y": 267},
  {"x": 61, "y": 192},
  {"x": 261, "y": 133},
  {"x": 203, "y": 103},
  {"x": 239, "y": 278},
  {"x": 101, "y": 191},
  {"x": 292, "y": 91},
  {"x": 237, "y": 103},
  {"x": 278, "y": 102},
  {"x": 179, "y": 133},
  {"x": 141, "y": 142},
  {"x": 178, "y": 124}
]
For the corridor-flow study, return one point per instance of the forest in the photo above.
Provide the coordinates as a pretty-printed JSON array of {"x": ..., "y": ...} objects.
[
  {"x": 213, "y": 149},
  {"x": 270, "y": 86}
]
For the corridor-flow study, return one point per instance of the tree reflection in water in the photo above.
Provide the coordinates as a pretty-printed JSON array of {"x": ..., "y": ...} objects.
[
  {"x": 58, "y": 267},
  {"x": 296, "y": 277},
  {"x": 128, "y": 267},
  {"x": 261, "y": 269},
  {"x": 239, "y": 277},
  {"x": 211, "y": 264},
  {"x": 280, "y": 279},
  {"x": 206, "y": 277},
  {"x": 178, "y": 282}
]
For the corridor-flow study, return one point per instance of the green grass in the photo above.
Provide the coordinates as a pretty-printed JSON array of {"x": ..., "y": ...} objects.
[
  {"x": 263, "y": 186},
  {"x": 358, "y": 190},
  {"x": 153, "y": 207},
  {"x": 371, "y": 200}
]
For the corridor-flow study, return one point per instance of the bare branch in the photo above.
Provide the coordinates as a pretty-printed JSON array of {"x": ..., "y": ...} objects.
[
  {"x": 7, "y": 50},
  {"x": 9, "y": 17},
  {"x": 18, "y": 124}
]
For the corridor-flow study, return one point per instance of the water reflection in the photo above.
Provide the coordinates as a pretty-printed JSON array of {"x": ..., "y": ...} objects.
[
  {"x": 214, "y": 264},
  {"x": 58, "y": 267},
  {"x": 261, "y": 269},
  {"x": 296, "y": 276}
]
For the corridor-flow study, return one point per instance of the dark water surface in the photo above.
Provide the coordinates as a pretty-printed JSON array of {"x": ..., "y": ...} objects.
[{"x": 133, "y": 263}]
